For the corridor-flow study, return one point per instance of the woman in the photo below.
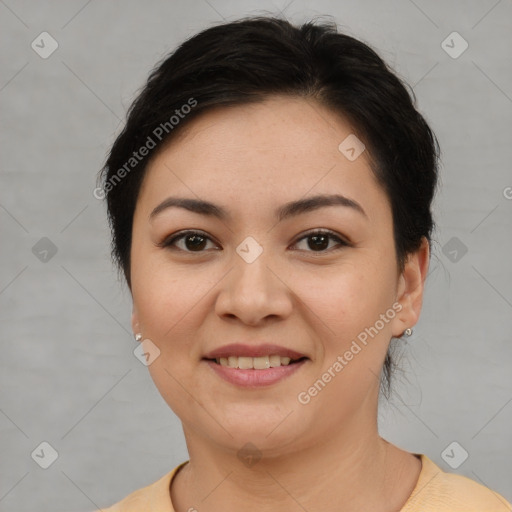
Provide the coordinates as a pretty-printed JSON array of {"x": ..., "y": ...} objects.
[{"x": 270, "y": 205}]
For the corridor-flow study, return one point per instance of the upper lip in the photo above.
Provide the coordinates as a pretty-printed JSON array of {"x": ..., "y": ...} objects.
[{"x": 241, "y": 350}]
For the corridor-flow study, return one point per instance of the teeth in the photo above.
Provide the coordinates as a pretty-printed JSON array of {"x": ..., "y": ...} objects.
[{"x": 257, "y": 363}]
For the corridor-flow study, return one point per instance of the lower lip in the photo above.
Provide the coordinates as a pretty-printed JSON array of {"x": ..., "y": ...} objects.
[{"x": 254, "y": 378}]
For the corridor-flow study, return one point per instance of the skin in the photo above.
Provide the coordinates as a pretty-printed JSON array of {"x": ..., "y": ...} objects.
[{"x": 250, "y": 160}]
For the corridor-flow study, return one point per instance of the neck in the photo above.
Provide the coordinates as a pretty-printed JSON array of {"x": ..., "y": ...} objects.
[{"x": 355, "y": 470}]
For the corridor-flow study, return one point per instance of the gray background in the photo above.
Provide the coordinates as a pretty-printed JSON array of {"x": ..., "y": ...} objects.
[{"x": 68, "y": 375}]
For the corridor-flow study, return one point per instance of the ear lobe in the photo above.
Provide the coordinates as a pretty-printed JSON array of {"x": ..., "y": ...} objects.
[
  {"x": 135, "y": 321},
  {"x": 410, "y": 289}
]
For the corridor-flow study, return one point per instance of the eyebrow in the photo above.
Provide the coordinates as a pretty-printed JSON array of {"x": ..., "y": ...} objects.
[{"x": 285, "y": 211}]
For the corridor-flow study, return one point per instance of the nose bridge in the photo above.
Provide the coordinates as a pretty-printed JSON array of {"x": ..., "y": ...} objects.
[
  {"x": 252, "y": 292},
  {"x": 250, "y": 277},
  {"x": 251, "y": 268}
]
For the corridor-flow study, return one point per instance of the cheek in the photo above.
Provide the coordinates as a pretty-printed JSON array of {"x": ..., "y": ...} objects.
[
  {"x": 171, "y": 309},
  {"x": 348, "y": 297},
  {"x": 352, "y": 332},
  {"x": 166, "y": 304},
  {"x": 350, "y": 301}
]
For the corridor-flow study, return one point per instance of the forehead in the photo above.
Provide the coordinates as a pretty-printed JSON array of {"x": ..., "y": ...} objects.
[{"x": 280, "y": 149}]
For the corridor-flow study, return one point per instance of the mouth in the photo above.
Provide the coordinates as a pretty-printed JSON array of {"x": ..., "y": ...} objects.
[
  {"x": 252, "y": 366},
  {"x": 257, "y": 367},
  {"x": 255, "y": 363}
]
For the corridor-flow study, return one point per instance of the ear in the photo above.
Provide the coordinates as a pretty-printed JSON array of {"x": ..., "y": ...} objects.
[
  {"x": 410, "y": 289},
  {"x": 135, "y": 321}
]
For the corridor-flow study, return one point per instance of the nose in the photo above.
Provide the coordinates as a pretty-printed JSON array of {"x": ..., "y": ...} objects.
[{"x": 254, "y": 292}]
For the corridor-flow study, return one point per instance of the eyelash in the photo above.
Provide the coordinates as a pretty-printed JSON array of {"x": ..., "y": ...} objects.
[{"x": 168, "y": 243}]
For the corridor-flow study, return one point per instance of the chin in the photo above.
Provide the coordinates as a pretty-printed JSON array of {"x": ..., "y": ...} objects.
[{"x": 266, "y": 433}]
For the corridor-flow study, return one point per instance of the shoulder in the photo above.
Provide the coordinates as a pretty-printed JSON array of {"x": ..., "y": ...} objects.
[
  {"x": 154, "y": 497},
  {"x": 439, "y": 491}
]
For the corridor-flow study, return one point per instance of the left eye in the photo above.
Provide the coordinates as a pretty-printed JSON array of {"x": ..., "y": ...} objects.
[{"x": 319, "y": 240}]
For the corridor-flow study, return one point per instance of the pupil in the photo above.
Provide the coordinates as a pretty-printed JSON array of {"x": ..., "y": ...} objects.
[
  {"x": 323, "y": 239},
  {"x": 198, "y": 242}
]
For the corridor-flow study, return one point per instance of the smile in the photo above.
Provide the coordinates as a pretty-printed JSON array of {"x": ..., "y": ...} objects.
[
  {"x": 257, "y": 363},
  {"x": 254, "y": 372}
]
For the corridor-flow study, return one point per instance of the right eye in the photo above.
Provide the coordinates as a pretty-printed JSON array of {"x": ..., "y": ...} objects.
[{"x": 193, "y": 241}]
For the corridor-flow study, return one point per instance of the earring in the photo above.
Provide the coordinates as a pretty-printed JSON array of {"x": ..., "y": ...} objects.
[
  {"x": 138, "y": 336},
  {"x": 408, "y": 331}
]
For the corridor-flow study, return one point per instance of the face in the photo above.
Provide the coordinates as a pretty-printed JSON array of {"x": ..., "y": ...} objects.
[{"x": 261, "y": 273}]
